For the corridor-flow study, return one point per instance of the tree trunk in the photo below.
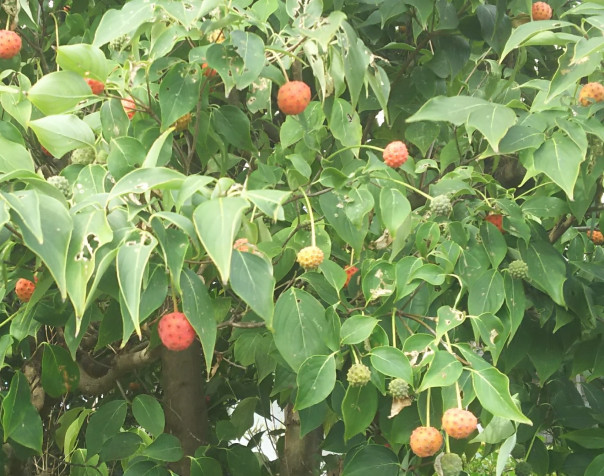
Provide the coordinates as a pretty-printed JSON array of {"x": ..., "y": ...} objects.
[
  {"x": 184, "y": 401},
  {"x": 302, "y": 456}
]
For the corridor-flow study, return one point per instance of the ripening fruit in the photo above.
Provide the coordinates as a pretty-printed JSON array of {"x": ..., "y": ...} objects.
[
  {"x": 10, "y": 44},
  {"x": 358, "y": 375},
  {"x": 398, "y": 388},
  {"x": 518, "y": 269},
  {"x": 450, "y": 464},
  {"x": 596, "y": 236},
  {"x": 24, "y": 289},
  {"x": 310, "y": 257},
  {"x": 425, "y": 441},
  {"x": 175, "y": 331},
  {"x": 182, "y": 123},
  {"x": 129, "y": 106},
  {"x": 350, "y": 272},
  {"x": 496, "y": 219},
  {"x": 541, "y": 11},
  {"x": 441, "y": 205},
  {"x": 459, "y": 423},
  {"x": 293, "y": 97},
  {"x": 395, "y": 154},
  {"x": 207, "y": 71},
  {"x": 590, "y": 93},
  {"x": 84, "y": 156},
  {"x": 97, "y": 86}
]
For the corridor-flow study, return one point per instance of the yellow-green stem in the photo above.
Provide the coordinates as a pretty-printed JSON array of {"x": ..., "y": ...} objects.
[
  {"x": 429, "y": 396},
  {"x": 447, "y": 445},
  {"x": 354, "y": 354},
  {"x": 174, "y": 298},
  {"x": 360, "y": 146},
  {"x": 313, "y": 239},
  {"x": 410, "y": 187},
  {"x": 394, "y": 328},
  {"x": 56, "y": 33}
]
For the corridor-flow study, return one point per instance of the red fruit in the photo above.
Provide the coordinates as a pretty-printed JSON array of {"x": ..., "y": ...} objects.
[
  {"x": 590, "y": 93},
  {"x": 459, "y": 423},
  {"x": 496, "y": 219},
  {"x": 207, "y": 71},
  {"x": 425, "y": 441},
  {"x": 293, "y": 97},
  {"x": 175, "y": 331},
  {"x": 395, "y": 154},
  {"x": 541, "y": 11},
  {"x": 10, "y": 44},
  {"x": 24, "y": 289},
  {"x": 596, "y": 236},
  {"x": 97, "y": 86},
  {"x": 350, "y": 272},
  {"x": 129, "y": 106}
]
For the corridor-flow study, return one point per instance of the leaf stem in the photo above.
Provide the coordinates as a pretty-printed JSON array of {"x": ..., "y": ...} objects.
[
  {"x": 360, "y": 146},
  {"x": 410, "y": 187}
]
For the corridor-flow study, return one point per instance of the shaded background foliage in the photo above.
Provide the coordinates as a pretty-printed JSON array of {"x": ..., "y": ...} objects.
[{"x": 486, "y": 100}]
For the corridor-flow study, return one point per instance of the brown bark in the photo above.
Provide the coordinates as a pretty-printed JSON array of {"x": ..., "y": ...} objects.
[
  {"x": 302, "y": 456},
  {"x": 184, "y": 401}
]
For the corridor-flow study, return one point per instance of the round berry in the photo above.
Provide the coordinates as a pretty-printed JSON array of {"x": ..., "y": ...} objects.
[
  {"x": 425, "y": 441},
  {"x": 175, "y": 331},
  {"x": 459, "y": 423},
  {"x": 24, "y": 289},
  {"x": 519, "y": 451},
  {"x": 310, "y": 257},
  {"x": 523, "y": 469},
  {"x": 395, "y": 154},
  {"x": 398, "y": 388},
  {"x": 10, "y": 44},
  {"x": 541, "y": 11},
  {"x": 97, "y": 87},
  {"x": 358, "y": 375},
  {"x": 496, "y": 219},
  {"x": 441, "y": 205},
  {"x": 518, "y": 269},
  {"x": 450, "y": 464},
  {"x": 293, "y": 97},
  {"x": 61, "y": 183},
  {"x": 84, "y": 156},
  {"x": 182, "y": 123},
  {"x": 596, "y": 236},
  {"x": 591, "y": 93}
]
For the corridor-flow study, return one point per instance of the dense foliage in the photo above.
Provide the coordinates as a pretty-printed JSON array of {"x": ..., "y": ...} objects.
[{"x": 145, "y": 169}]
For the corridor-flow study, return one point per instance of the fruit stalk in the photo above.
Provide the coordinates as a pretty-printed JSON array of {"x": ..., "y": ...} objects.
[{"x": 313, "y": 239}]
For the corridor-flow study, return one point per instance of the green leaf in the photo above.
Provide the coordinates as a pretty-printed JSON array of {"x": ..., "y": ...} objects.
[
  {"x": 149, "y": 414},
  {"x": 547, "y": 268},
  {"x": 175, "y": 245},
  {"x": 573, "y": 67},
  {"x": 20, "y": 420},
  {"x": 492, "y": 390},
  {"x": 494, "y": 244},
  {"x": 62, "y": 133},
  {"x": 487, "y": 293},
  {"x": 143, "y": 180},
  {"x": 120, "y": 446},
  {"x": 83, "y": 59},
  {"x": 356, "y": 329},
  {"x": 251, "y": 49},
  {"x": 298, "y": 327},
  {"x": 234, "y": 126},
  {"x": 523, "y": 33},
  {"x": 448, "y": 318},
  {"x": 345, "y": 123},
  {"x": 316, "y": 379},
  {"x": 491, "y": 332},
  {"x": 105, "y": 423},
  {"x": 334, "y": 208},
  {"x": 242, "y": 461},
  {"x": 116, "y": 23},
  {"x": 59, "y": 92},
  {"x": 252, "y": 280},
  {"x": 217, "y": 222},
  {"x": 199, "y": 309},
  {"x": 153, "y": 157},
  {"x": 358, "y": 409},
  {"x": 504, "y": 453},
  {"x": 376, "y": 460},
  {"x": 560, "y": 159},
  {"x": 14, "y": 156},
  {"x": 356, "y": 60},
  {"x": 60, "y": 374},
  {"x": 444, "y": 370},
  {"x": 165, "y": 448},
  {"x": 179, "y": 92},
  {"x": 269, "y": 201},
  {"x": 392, "y": 362},
  {"x": 205, "y": 467},
  {"x": 394, "y": 209}
]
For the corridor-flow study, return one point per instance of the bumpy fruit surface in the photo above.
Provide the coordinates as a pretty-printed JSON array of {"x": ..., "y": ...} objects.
[
  {"x": 293, "y": 97},
  {"x": 182, "y": 123},
  {"x": 596, "y": 236},
  {"x": 496, "y": 219},
  {"x": 395, "y": 154},
  {"x": 519, "y": 451},
  {"x": 350, "y": 272},
  {"x": 450, "y": 464},
  {"x": 310, "y": 257},
  {"x": 83, "y": 156},
  {"x": 398, "y": 388},
  {"x": 541, "y": 11},
  {"x": 425, "y": 441},
  {"x": 358, "y": 375},
  {"x": 459, "y": 423},
  {"x": 175, "y": 331},
  {"x": 10, "y": 44},
  {"x": 119, "y": 42},
  {"x": 61, "y": 183},
  {"x": 523, "y": 469},
  {"x": 24, "y": 289},
  {"x": 441, "y": 205},
  {"x": 518, "y": 269},
  {"x": 129, "y": 106},
  {"x": 97, "y": 86},
  {"x": 590, "y": 93}
]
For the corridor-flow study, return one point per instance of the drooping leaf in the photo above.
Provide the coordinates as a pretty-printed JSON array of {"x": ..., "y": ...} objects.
[
  {"x": 316, "y": 379},
  {"x": 252, "y": 280}
]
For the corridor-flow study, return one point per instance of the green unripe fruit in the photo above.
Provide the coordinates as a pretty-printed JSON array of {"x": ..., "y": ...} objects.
[
  {"x": 398, "y": 388},
  {"x": 358, "y": 375},
  {"x": 519, "y": 451},
  {"x": 61, "y": 183},
  {"x": 448, "y": 464},
  {"x": 441, "y": 205},
  {"x": 518, "y": 269},
  {"x": 119, "y": 43},
  {"x": 523, "y": 469},
  {"x": 101, "y": 157},
  {"x": 83, "y": 156}
]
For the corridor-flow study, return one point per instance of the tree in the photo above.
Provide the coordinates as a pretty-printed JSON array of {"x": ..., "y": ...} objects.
[{"x": 423, "y": 236}]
